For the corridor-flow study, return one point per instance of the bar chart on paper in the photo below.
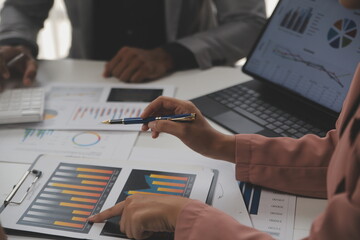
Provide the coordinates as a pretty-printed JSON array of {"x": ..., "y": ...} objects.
[
  {"x": 72, "y": 193},
  {"x": 153, "y": 183},
  {"x": 271, "y": 212},
  {"x": 95, "y": 114}
]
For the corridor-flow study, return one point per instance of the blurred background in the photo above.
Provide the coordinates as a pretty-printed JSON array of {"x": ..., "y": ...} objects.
[{"x": 54, "y": 39}]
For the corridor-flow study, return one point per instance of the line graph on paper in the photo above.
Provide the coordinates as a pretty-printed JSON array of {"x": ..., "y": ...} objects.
[{"x": 288, "y": 55}]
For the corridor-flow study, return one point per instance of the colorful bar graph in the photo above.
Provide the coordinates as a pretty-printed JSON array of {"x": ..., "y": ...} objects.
[
  {"x": 71, "y": 194},
  {"x": 95, "y": 113},
  {"x": 151, "y": 183}
]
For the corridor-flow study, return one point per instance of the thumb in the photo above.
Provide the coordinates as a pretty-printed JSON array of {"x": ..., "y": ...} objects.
[{"x": 167, "y": 126}]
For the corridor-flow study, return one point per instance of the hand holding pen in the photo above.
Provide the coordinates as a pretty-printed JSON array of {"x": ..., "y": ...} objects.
[
  {"x": 197, "y": 134},
  {"x": 17, "y": 61}
]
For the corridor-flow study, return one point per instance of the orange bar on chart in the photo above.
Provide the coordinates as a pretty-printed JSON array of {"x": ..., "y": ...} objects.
[
  {"x": 93, "y": 182},
  {"x": 168, "y": 184},
  {"x": 66, "y": 224},
  {"x": 149, "y": 193},
  {"x": 170, "y": 190},
  {"x": 74, "y": 205},
  {"x": 93, "y": 177},
  {"x": 79, "y": 219},
  {"x": 83, "y": 200},
  {"x": 81, "y": 212},
  {"x": 94, "y": 170},
  {"x": 77, "y": 187},
  {"x": 168, "y": 177},
  {"x": 81, "y": 193}
]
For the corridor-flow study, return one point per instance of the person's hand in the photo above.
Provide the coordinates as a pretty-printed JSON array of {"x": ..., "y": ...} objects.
[
  {"x": 142, "y": 215},
  {"x": 198, "y": 134},
  {"x": 138, "y": 65},
  {"x": 2, "y": 234},
  {"x": 25, "y": 68},
  {"x": 352, "y": 4}
]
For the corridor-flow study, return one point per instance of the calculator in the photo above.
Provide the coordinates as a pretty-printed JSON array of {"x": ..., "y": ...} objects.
[{"x": 22, "y": 105}]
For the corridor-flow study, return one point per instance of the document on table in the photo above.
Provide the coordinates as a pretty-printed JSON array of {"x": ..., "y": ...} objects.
[
  {"x": 72, "y": 189},
  {"x": 82, "y": 107},
  {"x": 270, "y": 211},
  {"x": 227, "y": 196},
  {"x": 24, "y": 145}
]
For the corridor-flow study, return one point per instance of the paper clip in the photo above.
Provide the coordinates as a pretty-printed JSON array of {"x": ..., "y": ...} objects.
[{"x": 37, "y": 175}]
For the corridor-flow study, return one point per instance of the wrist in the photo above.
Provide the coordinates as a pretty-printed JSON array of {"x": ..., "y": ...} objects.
[{"x": 224, "y": 147}]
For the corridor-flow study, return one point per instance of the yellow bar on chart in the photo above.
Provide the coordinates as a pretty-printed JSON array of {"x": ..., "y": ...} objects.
[
  {"x": 168, "y": 184},
  {"x": 66, "y": 224},
  {"x": 170, "y": 190},
  {"x": 168, "y": 177},
  {"x": 94, "y": 170}
]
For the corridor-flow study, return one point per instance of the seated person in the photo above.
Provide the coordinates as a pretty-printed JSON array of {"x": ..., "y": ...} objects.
[
  {"x": 329, "y": 170},
  {"x": 140, "y": 39}
]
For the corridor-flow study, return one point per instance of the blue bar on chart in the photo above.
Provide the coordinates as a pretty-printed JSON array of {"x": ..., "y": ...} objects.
[
  {"x": 251, "y": 194},
  {"x": 297, "y": 20},
  {"x": 36, "y": 133}
]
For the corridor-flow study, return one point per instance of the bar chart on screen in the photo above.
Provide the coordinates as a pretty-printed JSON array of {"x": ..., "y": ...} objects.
[{"x": 72, "y": 193}]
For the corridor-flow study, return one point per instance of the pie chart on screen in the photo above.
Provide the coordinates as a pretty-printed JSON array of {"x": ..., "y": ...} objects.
[{"x": 342, "y": 33}]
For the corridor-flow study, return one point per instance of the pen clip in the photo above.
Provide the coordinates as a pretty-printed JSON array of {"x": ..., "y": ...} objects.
[{"x": 189, "y": 118}]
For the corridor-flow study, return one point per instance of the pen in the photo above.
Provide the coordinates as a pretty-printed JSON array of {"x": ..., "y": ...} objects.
[
  {"x": 15, "y": 59},
  {"x": 188, "y": 117}
]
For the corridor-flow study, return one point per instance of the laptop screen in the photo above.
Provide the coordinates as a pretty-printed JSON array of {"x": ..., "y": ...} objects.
[{"x": 311, "y": 47}]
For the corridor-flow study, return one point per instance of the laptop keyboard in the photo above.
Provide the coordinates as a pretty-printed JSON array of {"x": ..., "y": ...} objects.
[{"x": 247, "y": 102}]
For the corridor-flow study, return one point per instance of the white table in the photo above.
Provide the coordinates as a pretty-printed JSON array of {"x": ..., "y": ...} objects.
[{"x": 189, "y": 84}]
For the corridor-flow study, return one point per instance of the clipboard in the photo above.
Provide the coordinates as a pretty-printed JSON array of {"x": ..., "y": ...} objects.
[{"x": 38, "y": 197}]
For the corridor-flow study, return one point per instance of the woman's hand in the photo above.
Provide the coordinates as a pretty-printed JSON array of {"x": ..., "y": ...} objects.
[
  {"x": 198, "y": 134},
  {"x": 142, "y": 215}
]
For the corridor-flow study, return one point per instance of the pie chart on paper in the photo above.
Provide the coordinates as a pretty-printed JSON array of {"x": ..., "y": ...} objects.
[{"x": 342, "y": 33}]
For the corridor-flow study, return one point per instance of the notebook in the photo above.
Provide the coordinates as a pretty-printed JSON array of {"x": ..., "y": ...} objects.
[{"x": 302, "y": 66}]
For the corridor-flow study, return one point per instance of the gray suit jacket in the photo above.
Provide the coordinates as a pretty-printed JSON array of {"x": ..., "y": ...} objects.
[{"x": 216, "y": 31}]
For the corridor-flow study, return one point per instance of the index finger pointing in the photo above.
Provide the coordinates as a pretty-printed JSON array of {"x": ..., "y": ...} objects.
[{"x": 108, "y": 213}]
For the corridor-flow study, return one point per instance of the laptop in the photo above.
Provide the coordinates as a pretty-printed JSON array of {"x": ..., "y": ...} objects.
[{"x": 302, "y": 66}]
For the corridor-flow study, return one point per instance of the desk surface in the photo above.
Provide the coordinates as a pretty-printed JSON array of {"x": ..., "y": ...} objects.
[{"x": 189, "y": 84}]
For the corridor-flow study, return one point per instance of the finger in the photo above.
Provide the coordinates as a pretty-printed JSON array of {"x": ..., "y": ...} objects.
[
  {"x": 119, "y": 62},
  {"x": 30, "y": 72},
  {"x": 165, "y": 126},
  {"x": 155, "y": 134},
  {"x": 159, "y": 104},
  {"x": 144, "y": 127},
  {"x": 133, "y": 66},
  {"x": 139, "y": 76},
  {"x": 108, "y": 213},
  {"x": 119, "y": 69},
  {"x": 109, "y": 67},
  {"x": 125, "y": 223}
]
